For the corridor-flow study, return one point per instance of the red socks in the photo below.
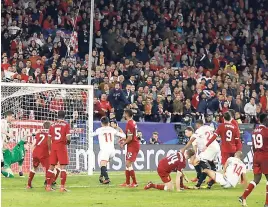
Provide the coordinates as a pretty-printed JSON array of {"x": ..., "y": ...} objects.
[
  {"x": 31, "y": 176},
  {"x": 57, "y": 174},
  {"x": 63, "y": 176},
  {"x": 127, "y": 172},
  {"x": 249, "y": 189},
  {"x": 133, "y": 176},
  {"x": 159, "y": 187},
  {"x": 50, "y": 177},
  {"x": 266, "y": 202}
]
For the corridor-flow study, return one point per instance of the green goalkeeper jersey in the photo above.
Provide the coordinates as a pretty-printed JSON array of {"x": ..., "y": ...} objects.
[{"x": 15, "y": 155}]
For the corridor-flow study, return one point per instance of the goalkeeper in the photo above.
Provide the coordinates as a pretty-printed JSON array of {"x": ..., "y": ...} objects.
[{"x": 16, "y": 155}]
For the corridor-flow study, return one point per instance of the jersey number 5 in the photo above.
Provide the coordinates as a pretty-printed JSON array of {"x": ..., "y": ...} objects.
[
  {"x": 257, "y": 141},
  {"x": 57, "y": 133}
]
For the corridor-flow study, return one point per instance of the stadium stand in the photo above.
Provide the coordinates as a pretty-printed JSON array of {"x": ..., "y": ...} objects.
[{"x": 164, "y": 59}]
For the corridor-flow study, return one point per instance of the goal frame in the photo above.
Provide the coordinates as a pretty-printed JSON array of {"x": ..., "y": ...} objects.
[{"x": 88, "y": 88}]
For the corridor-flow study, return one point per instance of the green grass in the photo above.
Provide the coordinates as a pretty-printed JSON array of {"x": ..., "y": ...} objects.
[{"x": 86, "y": 191}]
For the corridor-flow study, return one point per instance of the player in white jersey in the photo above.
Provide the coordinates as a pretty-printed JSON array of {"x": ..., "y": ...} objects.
[
  {"x": 106, "y": 135},
  {"x": 5, "y": 133},
  {"x": 233, "y": 170},
  {"x": 199, "y": 139}
]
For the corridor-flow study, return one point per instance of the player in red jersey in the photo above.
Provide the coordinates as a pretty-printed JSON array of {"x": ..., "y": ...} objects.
[
  {"x": 59, "y": 138},
  {"x": 229, "y": 134},
  {"x": 234, "y": 122},
  {"x": 133, "y": 147},
  {"x": 260, "y": 158},
  {"x": 173, "y": 163},
  {"x": 40, "y": 152}
]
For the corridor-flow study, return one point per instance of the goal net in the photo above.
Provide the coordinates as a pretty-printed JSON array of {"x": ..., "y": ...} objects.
[{"x": 33, "y": 104}]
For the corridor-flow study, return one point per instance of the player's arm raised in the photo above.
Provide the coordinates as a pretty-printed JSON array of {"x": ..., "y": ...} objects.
[{"x": 178, "y": 180}]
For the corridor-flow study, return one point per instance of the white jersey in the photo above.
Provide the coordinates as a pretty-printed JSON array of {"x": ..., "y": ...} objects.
[
  {"x": 202, "y": 136},
  {"x": 106, "y": 137},
  {"x": 4, "y": 129},
  {"x": 234, "y": 170}
]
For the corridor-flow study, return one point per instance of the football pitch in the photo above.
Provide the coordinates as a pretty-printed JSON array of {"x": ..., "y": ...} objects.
[{"x": 86, "y": 191}]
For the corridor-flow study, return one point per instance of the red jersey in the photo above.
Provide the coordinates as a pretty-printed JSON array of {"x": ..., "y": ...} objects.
[
  {"x": 229, "y": 134},
  {"x": 131, "y": 129},
  {"x": 260, "y": 139},
  {"x": 238, "y": 141},
  {"x": 173, "y": 163},
  {"x": 58, "y": 132},
  {"x": 41, "y": 145}
]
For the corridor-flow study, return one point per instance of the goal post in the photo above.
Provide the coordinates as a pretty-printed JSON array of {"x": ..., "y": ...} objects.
[{"x": 33, "y": 104}]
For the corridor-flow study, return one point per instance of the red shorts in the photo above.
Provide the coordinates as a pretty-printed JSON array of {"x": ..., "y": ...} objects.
[
  {"x": 260, "y": 163},
  {"x": 59, "y": 156},
  {"x": 132, "y": 154},
  {"x": 44, "y": 162},
  {"x": 165, "y": 177},
  {"x": 225, "y": 156}
]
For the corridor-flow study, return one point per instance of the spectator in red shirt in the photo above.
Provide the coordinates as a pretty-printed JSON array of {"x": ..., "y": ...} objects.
[
  {"x": 104, "y": 105},
  {"x": 5, "y": 64}
]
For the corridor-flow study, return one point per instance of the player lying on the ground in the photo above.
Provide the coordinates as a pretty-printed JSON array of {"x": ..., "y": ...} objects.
[
  {"x": 199, "y": 139},
  {"x": 172, "y": 163},
  {"x": 16, "y": 155},
  {"x": 106, "y": 135},
  {"x": 260, "y": 159},
  {"x": 40, "y": 152},
  {"x": 234, "y": 168}
]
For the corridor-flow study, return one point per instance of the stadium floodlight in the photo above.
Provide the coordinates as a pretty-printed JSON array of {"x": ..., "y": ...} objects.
[{"x": 33, "y": 104}]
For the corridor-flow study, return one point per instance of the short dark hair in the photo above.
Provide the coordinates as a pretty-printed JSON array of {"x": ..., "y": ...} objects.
[
  {"x": 263, "y": 118},
  {"x": 189, "y": 128},
  {"x": 9, "y": 113},
  {"x": 227, "y": 116},
  {"x": 232, "y": 112},
  {"x": 61, "y": 114},
  {"x": 46, "y": 125},
  {"x": 104, "y": 120},
  {"x": 199, "y": 121},
  {"x": 129, "y": 112}
]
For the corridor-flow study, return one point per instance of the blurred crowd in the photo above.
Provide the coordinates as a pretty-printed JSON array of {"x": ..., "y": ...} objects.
[{"x": 169, "y": 61}]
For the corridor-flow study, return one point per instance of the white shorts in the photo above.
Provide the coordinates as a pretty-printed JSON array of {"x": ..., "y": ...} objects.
[
  {"x": 209, "y": 154},
  {"x": 106, "y": 155},
  {"x": 222, "y": 180}
]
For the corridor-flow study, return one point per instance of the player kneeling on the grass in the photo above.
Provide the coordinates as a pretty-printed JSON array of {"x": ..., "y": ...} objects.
[
  {"x": 40, "y": 152},
  {"x": 106, "y": 135},
  {"x": 172, "y": 163},
  {"x": 260, "y": 158},
  {"x": 233, "y": 169},
  {"x": 16, "y": 155},
  {"x": 59, "y": 135}
]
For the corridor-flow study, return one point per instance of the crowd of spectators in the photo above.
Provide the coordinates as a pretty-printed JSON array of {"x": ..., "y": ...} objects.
[{"x": 169, "y": 61}]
